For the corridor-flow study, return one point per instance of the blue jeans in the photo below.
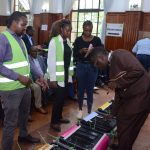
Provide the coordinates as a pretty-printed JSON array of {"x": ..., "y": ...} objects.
[
  {"x": 145, "y": 61},
  {"x": 86, "y": 77}
]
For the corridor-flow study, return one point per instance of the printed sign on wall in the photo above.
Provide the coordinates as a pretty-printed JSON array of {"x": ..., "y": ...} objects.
[{"x": 114, "y": 29}]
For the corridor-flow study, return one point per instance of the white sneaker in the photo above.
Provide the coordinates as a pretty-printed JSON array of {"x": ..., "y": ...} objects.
[{"x": 80, "y": 114}]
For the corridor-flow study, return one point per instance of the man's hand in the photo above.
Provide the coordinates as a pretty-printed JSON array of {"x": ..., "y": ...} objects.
[
  {"x": 39, "y": 47},
  {"x": 108, "y": 117},
  {"x": 53, "y": 84},
  {"x": 112, "y": 85},
  {"x": 25, "y": 80},
  {"x": 43, "y": 83}
]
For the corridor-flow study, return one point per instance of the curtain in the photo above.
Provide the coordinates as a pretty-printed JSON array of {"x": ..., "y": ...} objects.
[
  {"x": 68, "y": 4},
  {"x": 52, "y": 6},
  {"x": 56, "y": 6},
  {"x": 5, "y": 7},
  {"x": 36, "y": 7},
  {"x": 107, "y": 6}
]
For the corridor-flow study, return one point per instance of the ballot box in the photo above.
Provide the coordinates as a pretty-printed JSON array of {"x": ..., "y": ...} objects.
[
  {"x": 99, "y": 122},
  {"x": 80, "y": 138}
]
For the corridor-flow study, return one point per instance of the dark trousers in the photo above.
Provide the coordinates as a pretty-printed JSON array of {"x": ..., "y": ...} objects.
[
  {"x": 128, "y": 128},
  {"x": 16, "y": 105},
  {"x": 1, "y": 113},
  {"x": 58, "y": 104},
  {"x": 145, "y": 61},
  {"x": 86, "y": 77}
]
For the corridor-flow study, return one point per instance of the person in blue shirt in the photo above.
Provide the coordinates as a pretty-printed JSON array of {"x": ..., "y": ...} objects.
[{"x": 142, "y": 51}]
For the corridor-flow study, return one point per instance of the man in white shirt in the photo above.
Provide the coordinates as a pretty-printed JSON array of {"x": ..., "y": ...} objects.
[{"x": 142, "y": 51}]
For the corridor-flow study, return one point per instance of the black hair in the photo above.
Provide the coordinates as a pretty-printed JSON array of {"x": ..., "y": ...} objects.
[
  {"x": 29, "y": 28},
  {"x": 15, "y": 16},
  {"x": 56, "y": 27},
  {"x": 64, "y": 23},
  {"x": 87, "y": 23},
  {"x": 96, "y": 52}
]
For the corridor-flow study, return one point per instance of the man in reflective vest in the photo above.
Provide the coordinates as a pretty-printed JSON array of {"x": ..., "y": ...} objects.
[{"x": 15, "y": 81}]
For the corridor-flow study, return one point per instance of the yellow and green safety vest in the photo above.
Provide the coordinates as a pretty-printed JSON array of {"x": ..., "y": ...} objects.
[
  {"x": 60, "y": 73},
  {"x": 18, "y": 64}
]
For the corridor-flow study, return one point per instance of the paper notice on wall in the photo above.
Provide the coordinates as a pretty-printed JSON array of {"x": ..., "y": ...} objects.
[
  {"x": 44, "y": 27},
  {"x": 114, "y": 29}
]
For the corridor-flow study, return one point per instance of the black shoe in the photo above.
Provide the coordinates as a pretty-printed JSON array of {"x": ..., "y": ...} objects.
[
  {"x": 28, "y": 139},
  {"x": 56, "y": 127},
  {"x": 64, "y": 121}
]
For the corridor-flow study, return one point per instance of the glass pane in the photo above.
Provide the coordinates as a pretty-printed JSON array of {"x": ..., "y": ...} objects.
[
  {"x": 94, "y": 17},
  {"x": 88, "y": 16},
  {"x": 99, "y": 28},
  {"x": 82, "y": 4},
  {"x": 79, "y": 33},
  {"x": 24, "y": 5},
  {"x": 101, "y": 4},
  {"x": 95, "y": 4},
  {"x": 81, "y": 16},
  {"x": 94, "y": 28},
  {"x": 75, "y": 5},
  {"x": 88, "y": 4},
  {"x": 94, "y": 34},
  {"x": 101, "y": 17},
  {"x": 74, "y": 26},
  {"x": 16, "y": 8},
  {"x": 73, "y": 37},
  {"x": 80, "y": 24},
  {"x": 74, "y": 16}
]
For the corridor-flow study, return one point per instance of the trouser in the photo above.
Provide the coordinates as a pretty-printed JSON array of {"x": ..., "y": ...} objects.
[
  {"x": 145, "y": 61},
  {"x": 86, "y": 77},
  {"x": 58, "y": 104},
  {"x": 1, "y": 113},
  {"x": 16, "y": 105},
  {"x": 128, "y": 128},
  {"x": 37, "y": 95}
]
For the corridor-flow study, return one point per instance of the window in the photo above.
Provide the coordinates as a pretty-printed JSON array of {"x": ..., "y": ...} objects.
[
  {"x": 87, "y": 10},
  {"x": 23, "y": 6}
]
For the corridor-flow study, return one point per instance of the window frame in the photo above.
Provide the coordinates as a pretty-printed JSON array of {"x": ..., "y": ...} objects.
[{"x": 85, "y": 10}]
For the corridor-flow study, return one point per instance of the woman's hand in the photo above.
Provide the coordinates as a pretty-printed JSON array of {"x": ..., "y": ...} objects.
[
  {"x": 83, "y": 50},
  {"x": 53, "y": 84}
]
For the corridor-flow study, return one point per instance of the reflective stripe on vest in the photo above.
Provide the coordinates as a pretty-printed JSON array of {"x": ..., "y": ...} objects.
[
  {"x": 18, "y": 64},
  {"x": 3, "y": 80},
  {"x": 60, "y": 61}
]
